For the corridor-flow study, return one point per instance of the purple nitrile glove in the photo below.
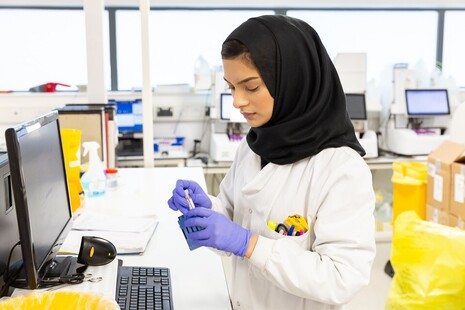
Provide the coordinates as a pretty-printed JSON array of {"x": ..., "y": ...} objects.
[
  {"x": 219, "y": 232},
  {"x": 178, "y": 200}
]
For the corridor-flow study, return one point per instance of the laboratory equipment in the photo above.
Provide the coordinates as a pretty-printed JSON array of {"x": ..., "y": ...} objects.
[
  {"x": 352, "y": 71},
  {"x": 424, "y": 102},
  {"x": 129, "y": 116},
  {"x": 40, "y": 193},
  {"x": 227, "y": 110},
  {"x": 96, "y": 251},
  {"x": 223, "y": 145},
  {"x": 187, "y": 230},
  {"x": 356, "y": 108},
  {"x": 112, "y": 177},
  {"x": 419, "y": 117}
]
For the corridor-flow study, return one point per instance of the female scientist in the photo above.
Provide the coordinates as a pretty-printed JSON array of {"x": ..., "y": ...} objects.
[{"x": 296, "y": 207}]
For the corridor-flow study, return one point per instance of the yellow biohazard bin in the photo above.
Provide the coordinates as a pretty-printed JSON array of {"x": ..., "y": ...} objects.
[
  {"x": 71, "y": 140},
  {"x": 59, "y": 300},
  {"x": 409, "y": 188}
]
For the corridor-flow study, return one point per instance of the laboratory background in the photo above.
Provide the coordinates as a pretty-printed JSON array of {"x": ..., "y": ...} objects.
[{"x": 144, "y": 80}]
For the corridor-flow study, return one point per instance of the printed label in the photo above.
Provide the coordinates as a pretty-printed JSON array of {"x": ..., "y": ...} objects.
[
  {"x": 459, "y": 190},
  {"x": 437, "y": 190},
  {"x": 431, "y": 169}
]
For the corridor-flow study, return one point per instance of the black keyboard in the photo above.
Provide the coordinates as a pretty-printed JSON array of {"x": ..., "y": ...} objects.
[{"x": 144, "y": 288}]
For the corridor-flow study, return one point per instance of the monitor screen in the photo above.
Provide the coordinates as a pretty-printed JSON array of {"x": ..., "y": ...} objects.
[
  {"x": 356, "y": 107},
  {"x": 40, "y": 191},
  {"x": 129, "y": 115},
  {"x": 424, "y": 102},
  {"x": 228, "y": 112}
]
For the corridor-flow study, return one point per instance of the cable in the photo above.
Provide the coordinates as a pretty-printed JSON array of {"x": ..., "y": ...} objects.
[{"x": 6, "y": 276}]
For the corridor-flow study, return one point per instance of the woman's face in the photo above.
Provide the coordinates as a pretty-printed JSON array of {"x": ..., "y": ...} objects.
[{"x": 251, "y": 96}]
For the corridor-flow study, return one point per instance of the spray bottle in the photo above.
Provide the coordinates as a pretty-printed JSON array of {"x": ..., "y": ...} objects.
[{"x": 93, "y": 180}]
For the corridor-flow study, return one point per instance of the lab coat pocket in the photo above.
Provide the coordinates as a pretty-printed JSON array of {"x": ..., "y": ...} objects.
[{"x": 304, "y": 241}]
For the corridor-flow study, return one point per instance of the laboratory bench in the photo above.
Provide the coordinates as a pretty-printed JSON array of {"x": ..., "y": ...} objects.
[
  {"x": 373, "y": 296},
  {"x": 197, "y": 277},
  {"x": 383, "y": 162},
  {"x": 214, "y": 172}
]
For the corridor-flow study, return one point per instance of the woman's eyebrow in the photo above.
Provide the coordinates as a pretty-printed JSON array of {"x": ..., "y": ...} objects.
[{"x": 244, "y": 80}]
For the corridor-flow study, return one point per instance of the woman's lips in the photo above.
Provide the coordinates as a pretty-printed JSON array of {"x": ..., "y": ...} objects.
[{"x": 248, "y": 115}]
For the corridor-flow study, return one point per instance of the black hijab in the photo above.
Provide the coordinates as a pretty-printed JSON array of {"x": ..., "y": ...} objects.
[{"x": 309, "y": 112}]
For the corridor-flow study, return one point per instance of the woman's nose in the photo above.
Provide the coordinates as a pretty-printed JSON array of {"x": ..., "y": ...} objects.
[{"x": 239, "y": 101}]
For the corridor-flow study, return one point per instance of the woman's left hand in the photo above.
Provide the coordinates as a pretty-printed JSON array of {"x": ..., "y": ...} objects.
[
  {"x": 218, "y": 232},
  {"x": 178, "y": 200}
]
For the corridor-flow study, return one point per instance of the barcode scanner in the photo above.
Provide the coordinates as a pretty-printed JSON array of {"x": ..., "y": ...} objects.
[{"x": 96, "y": 251}]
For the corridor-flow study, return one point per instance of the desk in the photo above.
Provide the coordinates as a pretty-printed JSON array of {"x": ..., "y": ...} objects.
[
  {"x": 381, "y": 168},
  {"x": 385, "y": 162},
  {"x": 198, "y": 279},
  {"x": 158, "y": 161}
]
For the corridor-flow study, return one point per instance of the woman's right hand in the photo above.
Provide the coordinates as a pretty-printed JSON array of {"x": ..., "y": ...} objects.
[{"x": 179, "y": 202}]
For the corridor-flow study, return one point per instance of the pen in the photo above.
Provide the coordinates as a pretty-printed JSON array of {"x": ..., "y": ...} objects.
[
  {"x": 291, "y": 230},
  {"x": 189, "y": 200}
]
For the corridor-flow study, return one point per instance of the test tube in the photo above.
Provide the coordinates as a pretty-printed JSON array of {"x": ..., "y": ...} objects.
[{"x": 189, "y": 200}]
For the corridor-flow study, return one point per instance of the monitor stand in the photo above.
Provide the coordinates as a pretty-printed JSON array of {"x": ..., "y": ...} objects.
[{"x": 64, "y": 265}]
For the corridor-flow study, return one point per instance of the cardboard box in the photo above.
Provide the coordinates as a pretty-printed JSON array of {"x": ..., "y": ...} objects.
[
  {"x": 457, "y": 204},
  {"x": 436, "y": 215},
  {"x": 440, "y": 163},
  {"x": 455, "y": 221}
]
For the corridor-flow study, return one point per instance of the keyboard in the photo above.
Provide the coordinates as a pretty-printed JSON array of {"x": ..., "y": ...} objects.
[{"x": 144, "y": 288}]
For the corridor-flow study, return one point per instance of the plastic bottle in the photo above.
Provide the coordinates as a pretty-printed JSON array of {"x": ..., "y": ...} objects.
[
  {"x": 202, "y": 74},
  {"x": 112, "y": 178},
  {"x": 93, "y": 180}
]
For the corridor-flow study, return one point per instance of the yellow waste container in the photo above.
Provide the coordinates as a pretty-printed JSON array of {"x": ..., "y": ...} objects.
[
  {"x": 71, "y": 140},
  {"x": 59, "y": 300},
  {"x": 409, "y": 188}
]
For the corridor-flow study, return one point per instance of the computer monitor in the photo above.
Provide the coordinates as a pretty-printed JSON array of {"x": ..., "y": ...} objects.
[
  {"x": 40, "y": 193},
  {"x": 356, "y": 106},
  {"x": 427, "y": 102},
  {"x": 228, "y": 112}
]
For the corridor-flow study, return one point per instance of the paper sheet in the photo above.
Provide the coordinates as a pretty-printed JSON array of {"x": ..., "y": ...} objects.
[
  {"x": 109, "y": 222},
  {"x": 125, "y": 242}
]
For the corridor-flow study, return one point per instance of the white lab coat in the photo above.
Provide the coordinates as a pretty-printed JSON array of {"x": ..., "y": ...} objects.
[{"x": 329, "y": 264}]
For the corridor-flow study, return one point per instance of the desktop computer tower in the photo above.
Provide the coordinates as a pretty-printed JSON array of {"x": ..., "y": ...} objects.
[{"x": 8, "y": 223}]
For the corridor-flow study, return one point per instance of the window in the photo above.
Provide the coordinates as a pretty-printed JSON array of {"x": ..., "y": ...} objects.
[
  {"x": 454, "y": 49},
  {"x": 177, "y": 38},
  {"x": 388, "y": 37},
  {"x": 40, "y": 46}
]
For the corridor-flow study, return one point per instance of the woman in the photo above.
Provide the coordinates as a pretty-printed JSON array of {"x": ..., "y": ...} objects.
[{"x": 300, "y": 157}]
